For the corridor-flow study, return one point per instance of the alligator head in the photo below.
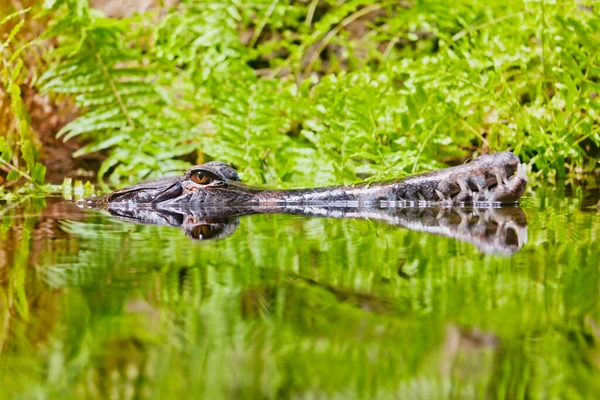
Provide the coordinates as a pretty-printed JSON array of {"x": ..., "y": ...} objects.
[
  {"x": 494, "y": 178},
  {"x": 211, "y": 183}
]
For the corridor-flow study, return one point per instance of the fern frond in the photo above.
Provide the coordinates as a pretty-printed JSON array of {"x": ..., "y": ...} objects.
[
  {"x": 363, "y": 87},
  {"x": 19, "y": 144}
]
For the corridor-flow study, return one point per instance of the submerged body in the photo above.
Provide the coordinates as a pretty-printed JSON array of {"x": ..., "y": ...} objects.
[{"x": 494, "y": 178}]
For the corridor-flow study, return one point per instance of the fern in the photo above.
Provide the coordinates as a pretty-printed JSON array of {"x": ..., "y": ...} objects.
[
  {"x": 118, "y": 89},
  {"x": 289, "y": 93},
  {"x": 18, "y": 148}
]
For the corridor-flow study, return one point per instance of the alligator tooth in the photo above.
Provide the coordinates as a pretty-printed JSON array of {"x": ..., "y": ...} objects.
[
  {"x": 498, "y": 179},
  {"x": 440, "y": 195},
  {"x": 480, "y": 188},
  {"x": 463, "y": 187},
  {"x": 421, "y": 197},
  {"x": 522, "y": 171},
  {"x": 487, "y": 193}
]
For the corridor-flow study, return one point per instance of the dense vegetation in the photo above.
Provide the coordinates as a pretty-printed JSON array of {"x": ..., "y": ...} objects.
[
  {"x": 300, "y": 92},
  {"x": 296, "y": 93}
]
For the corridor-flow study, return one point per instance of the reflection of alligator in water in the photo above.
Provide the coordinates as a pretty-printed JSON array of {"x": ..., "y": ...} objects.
[
  {"x": 492, "y": 230},
  {"x": 495, "y": 178}
]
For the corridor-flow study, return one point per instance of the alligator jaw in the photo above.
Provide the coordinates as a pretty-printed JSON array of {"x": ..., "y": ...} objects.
[
  {"x": 509, "y": 190},
  {"x": 494, "y": 178},
  {"x": 490, "y": 179}
]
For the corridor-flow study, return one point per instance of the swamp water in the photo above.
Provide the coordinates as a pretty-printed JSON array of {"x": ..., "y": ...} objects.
[{"x": 284, "y": 306}]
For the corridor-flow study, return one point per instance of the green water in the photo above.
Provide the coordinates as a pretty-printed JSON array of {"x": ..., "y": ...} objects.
[{"x": 295, "y": 307}]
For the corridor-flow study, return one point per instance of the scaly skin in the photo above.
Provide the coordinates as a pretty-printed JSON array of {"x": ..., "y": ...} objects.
[{"x": 495, "y": 178}]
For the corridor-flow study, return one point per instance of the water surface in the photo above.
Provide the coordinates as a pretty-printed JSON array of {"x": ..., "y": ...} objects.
[{"x": 285, "y": 306}]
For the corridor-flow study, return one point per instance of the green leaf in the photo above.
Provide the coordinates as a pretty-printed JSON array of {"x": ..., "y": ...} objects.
[
  {"x": 101, "y": 145},
  {"x": 4, "y": 149},
  {"x": 16, "y": 72},
  {"x": 38, "y": 173},
  {"x": 13, "y": 175}
]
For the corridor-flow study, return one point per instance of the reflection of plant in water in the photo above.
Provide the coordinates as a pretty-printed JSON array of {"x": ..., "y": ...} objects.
[
  {"x": 288, "y": 307},
  {"x": 16, "y": 236},
  {"x": 27, "y": 307}
]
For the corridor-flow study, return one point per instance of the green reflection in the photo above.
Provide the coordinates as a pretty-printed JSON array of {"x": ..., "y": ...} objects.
[{"x": 292, "y": 307}]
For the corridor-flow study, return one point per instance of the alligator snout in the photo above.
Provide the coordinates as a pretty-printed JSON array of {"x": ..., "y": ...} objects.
[
  {"x": 507, "y": 189},
  {"x": 149, "y": 192}
]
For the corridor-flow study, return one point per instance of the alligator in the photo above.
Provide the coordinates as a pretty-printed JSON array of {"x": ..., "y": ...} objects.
[
  {"x": 490, "y": 179},
  {"x": 208, "y": 200}
]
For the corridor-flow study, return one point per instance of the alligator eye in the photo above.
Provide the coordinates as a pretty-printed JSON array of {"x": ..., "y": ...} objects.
[
  {"x": 202, "y": 178},
  {"x": 206, "y": 178}
]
